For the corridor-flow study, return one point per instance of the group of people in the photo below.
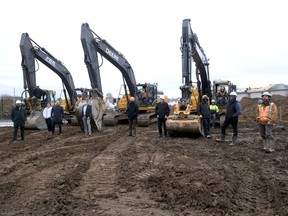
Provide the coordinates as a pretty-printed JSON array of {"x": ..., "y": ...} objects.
[
  {"x": 162, "y": 111},
  {"x": 266, "y": 116}
]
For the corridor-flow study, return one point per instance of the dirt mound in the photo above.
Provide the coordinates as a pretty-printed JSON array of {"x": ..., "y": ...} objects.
[{"x": 249, "y": 108}]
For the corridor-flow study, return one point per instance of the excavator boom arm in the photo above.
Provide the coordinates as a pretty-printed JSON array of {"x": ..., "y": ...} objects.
[
  {"x": 93, "y": 45},
  {"x": 29, "y": 53}
]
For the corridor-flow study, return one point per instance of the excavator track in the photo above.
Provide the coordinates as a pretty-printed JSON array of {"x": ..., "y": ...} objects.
[{"x": 145, "y": 119}]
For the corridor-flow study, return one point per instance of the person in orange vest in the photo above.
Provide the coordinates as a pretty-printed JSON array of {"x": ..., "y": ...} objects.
[{"x": 266, "y": 115}]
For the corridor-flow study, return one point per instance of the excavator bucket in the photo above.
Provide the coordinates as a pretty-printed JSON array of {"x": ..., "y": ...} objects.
[
  {"x": 98, "y": 106},
  {"x": 35, "y": 120},
  {"x": 190, "y": 124}
]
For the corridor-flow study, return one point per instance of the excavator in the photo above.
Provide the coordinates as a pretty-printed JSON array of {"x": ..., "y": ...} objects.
[
  {"x": 145, "y": 94},
  {"x": 221, "y": 90},
  {"x": 184, "y": 118},
  {"x": 38, "y": 98}
]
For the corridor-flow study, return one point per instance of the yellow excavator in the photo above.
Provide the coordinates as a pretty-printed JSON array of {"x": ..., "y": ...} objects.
[
  {"x": 221, "y": 90},
  {"x": 38, "y": 98},
  {"x": 184, "y": 118},
  {"x": 146, "y": 94}
]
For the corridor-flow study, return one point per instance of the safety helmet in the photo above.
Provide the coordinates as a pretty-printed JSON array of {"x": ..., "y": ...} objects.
[
  {"x": 266, "y": 93},
  {"x": 222, "y": 88},
  {"x": 161, "y": 97},
  {"x": 233, "y": 93},
  {"x": 212, "y": 101},
  {"x": 18, "y": 102},
  {"x": 132, "y": 99},
  {"x": 204, "y": 97}
]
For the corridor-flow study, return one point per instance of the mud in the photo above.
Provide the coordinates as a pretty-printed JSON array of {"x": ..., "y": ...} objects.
[{"x": 113, "y": 174}]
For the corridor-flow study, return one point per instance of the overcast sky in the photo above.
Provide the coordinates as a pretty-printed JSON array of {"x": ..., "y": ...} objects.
[{"x": 246, "y": 41}]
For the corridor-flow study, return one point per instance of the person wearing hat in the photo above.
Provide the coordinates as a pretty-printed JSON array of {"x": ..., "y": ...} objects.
[
  {"x": 162, "y": 111},
  {"x": 86, "y": 117},
  {"x": 233, "y": 110},
  {"x": 266, "y": 116},
  {"x": 132, "y": 112},
  {"x": 18, "y": 116},
  {"x": 203, "y": 111},
  {"x": 214, "y": 110}
]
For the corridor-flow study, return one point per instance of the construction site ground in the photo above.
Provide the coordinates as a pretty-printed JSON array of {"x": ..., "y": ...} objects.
[{"x": 110, "y": 173}]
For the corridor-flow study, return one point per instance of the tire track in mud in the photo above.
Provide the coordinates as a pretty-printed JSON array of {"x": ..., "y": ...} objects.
[{"x": 57, "y": 169}]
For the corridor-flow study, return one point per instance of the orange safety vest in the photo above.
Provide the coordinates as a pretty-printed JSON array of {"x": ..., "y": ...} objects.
[{"x": 264, "y": 113}]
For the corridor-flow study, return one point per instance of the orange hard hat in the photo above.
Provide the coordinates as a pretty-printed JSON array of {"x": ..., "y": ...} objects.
[{"x": 132, "y": 99}]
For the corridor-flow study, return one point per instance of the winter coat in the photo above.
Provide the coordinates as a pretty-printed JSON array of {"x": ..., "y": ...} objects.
[
  {"x": 162, "y": 109},
  {"x": 57, "y": 114},
  {"x": 233, "y": 109},
  {"x": 18, "y": 116},
  {"x": 203, "y": 109},
  {"x": 132, "y": 111},
  {"x": 266, "y": 114}
]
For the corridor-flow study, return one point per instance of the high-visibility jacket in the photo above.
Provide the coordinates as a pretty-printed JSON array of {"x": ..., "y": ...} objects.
[{"x": 267, "y": 114}]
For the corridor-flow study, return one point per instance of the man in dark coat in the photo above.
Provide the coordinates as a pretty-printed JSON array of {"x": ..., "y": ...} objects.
[
  {"x": 162, "y": 111},
  {"x": 18, "y": 116},
  {"x": 203, "y": 111},
  {"x": 86, "y": 117},
  {"x": 233, "y": 110},
  {"x": 57, "y": 114},
  {"x": 132, "y": 112}
]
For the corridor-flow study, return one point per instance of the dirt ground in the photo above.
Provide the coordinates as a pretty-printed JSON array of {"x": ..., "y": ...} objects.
[{"x": 111, "y": 174}]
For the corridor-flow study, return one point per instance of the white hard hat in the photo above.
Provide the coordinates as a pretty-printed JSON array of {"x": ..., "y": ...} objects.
[
  {"x": 204, "y": 97},
  {"x": 233, "y": 93},
  {"x": 18, "y": 102},
  {"x": 212, "y": 101},
  {"x": 266, "y": 93},
  {"x": 161, "y": 97}
]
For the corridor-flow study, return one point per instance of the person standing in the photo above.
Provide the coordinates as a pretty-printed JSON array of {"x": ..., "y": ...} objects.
[
  {"x": 18, "y": 116},
  {"x": 233, "y": 110},
  {"x": 86, "y": 117},
  {"x": 266, "y": 115},
  {"x": 203, "y": 111},
  {"x": 57, "y": 114},
  {"x": 47, "y": 116},
  {"x": 132, "y": 112},
  {"x": 162, "y": 111},
  {"x": 214, "y": 110}
]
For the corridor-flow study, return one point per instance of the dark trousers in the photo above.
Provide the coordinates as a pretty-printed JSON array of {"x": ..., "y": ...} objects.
[
  {"x": 132, "y": 126},
  {"x": 59, "y": 125},
  {"x": 49, "y": 124},
  {"x": 16, "y": 130},
  {"x": 206, "y": 126},
  {"x": 162, "y": 123},
  {"x": 233, "y": 122}
]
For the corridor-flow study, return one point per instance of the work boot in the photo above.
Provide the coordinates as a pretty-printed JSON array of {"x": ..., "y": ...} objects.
[
  {"x": 265, "y": 145},
  {"x": 234, "y": 140},
  {"x": 271, "y": 146},
  {"x": 222, "y": 138}
]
